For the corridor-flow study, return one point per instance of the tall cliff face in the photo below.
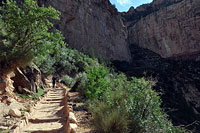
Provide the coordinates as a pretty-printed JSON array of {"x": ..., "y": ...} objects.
[
  {"x": 92, "y": 25},
  {"x": 170, "y": 28}
]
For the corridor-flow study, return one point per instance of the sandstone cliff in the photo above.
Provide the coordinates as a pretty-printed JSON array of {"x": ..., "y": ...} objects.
[
  {"x": 170, "y": 28},
  {"x": 92, "y": 25}
]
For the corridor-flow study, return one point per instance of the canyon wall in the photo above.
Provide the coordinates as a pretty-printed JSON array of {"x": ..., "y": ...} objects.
[
  {"x": 170, "y": 28},
  {"x": 92, "y": 26}
]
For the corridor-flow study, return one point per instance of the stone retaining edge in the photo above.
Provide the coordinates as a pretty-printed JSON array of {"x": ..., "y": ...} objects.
[{"x": 70, "y": 125}]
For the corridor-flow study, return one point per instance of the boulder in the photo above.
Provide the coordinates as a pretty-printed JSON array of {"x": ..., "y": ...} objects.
[
  {"x": 72, "y": 118},
  {"x": 15, "y": 113},
  {"x": 73, "y": 127},
  {"x": 3, "y": 128},
  {"x": 4, "y": 109},
  {"x": 15, "y": 105}
]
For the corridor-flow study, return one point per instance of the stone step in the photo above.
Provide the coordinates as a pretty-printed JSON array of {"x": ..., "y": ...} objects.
[
  {"x": 47, "y": 127},
  {"x": 55, "y": 99},
  {"x": 47, "y": 120}
]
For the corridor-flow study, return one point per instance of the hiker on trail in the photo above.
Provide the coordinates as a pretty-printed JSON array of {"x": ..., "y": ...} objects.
[{"x": 54, "y": 81}]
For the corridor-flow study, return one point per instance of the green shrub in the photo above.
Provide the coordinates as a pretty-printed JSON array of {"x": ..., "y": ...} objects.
[
  {"x": 109, "y": 113},
  {"x": 68, "y": 81},
  {"x": 47, "y": 64},
  {"x": 144, "y": 107},
  {"x": 25, "y": 96},
  {"x": 107, "y": 119},
  {"x": 64, "y": 61},
  {"x": 98, "y": 81},
  {"x": 133, "y": 101},
  {"x": 4, "y": 131},
  {"x": 39, "y": 93},
  {"x": 83, "y": 80}
]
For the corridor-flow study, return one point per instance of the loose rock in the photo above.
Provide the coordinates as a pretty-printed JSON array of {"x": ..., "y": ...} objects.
[
  {"x": 4, "y": 109},
  {"x": 73, "y": 128},
  {"x": 72, "y": 118},
  {"x": 14, "y": 104},
  {"x": 14, "y": 112},
  {"x": 3, "y": 128}
]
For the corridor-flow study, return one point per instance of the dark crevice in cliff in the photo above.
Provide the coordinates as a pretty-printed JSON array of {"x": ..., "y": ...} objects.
[{"x": 177, "y": 81}]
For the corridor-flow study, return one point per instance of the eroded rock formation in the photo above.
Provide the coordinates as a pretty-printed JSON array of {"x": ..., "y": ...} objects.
[
  {"x": 20, "y": 80},
  {"x": 34, "y": 76},
  {"x": 8, "y": 88},
  {"x": 170, "y": 28},
  {"x": 27, "y": 80}
]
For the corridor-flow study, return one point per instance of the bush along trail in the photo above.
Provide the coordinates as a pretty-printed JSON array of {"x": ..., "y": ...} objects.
[{"x": 100, "y": 96}]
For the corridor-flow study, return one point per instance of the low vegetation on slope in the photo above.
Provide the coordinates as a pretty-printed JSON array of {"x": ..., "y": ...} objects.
[{"x": 117, "y": 104}]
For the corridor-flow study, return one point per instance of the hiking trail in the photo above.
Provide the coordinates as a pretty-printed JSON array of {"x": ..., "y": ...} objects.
[{"x": 49, "y": 115}]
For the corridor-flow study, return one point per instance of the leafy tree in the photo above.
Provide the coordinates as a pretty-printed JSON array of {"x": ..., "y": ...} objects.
[{"x": 25, "y": 32}]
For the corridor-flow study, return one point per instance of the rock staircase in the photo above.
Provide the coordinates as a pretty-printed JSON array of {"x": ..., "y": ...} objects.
[{"x": 50, "y": 115}]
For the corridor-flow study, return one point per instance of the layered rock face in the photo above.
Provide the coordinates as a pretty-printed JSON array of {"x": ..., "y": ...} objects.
[
  {"x": 170, "y": 28},
  {"x": 92, "y": 26}
]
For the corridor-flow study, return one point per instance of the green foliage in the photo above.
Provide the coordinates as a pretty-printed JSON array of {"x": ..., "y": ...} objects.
[
  {"x": 25, "y": 96},
  {"x": 115, "y": 100},
  {"x": 45, "y": 63},
  {"x": 118, "y": 105},
  {"x": 38, "y": 94},
  {"x": 66, "y": 60},
  {"x": 107, "y": 119},
  {"x": 83, "y": 80},
  {"x": 24, "y": 32},
  {"x": 4, "y": 131},
  {"x": 97, "y": 81},
  {"x": 27, "y": 110},
  {"x": 68, "y": 81},
  {"x": 143, "y": 106}
]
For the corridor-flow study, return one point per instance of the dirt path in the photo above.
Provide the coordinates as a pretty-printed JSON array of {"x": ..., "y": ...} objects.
[{"x": 49, "y": 115}]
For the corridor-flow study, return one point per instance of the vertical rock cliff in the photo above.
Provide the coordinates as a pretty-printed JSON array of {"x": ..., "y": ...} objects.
[
  {"x": 92, "y": 25},
  {"x": 170, "y": 28}
]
